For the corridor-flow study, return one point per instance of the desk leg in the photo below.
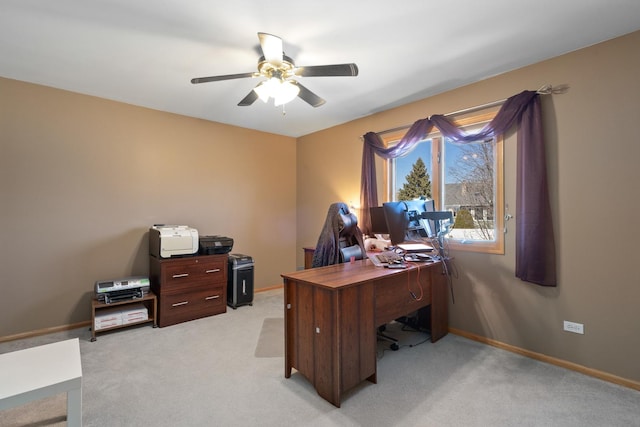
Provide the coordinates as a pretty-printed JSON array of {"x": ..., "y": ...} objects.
[
  {"x": 74, "y": 407},
  {"x": 373, "y": 378},
  {"x": 439, "y": 304},
  {"x": 289, "y": 294}
]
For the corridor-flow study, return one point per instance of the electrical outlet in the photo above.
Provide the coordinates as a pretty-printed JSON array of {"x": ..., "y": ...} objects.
[{"x": 576, "y": 328}]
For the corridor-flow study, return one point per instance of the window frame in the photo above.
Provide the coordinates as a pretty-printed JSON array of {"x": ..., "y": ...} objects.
[{"x": 475, "y": 119}]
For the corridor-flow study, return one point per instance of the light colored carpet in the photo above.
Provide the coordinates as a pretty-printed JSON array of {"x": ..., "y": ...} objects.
[
  {"x": 271, "y": 340},
  {"x": 48, "y": 412},
  {"x": 206, "y": 373}
]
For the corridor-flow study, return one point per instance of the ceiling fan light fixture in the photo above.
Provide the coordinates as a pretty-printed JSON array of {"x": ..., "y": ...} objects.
[
  {"x": 282, "y": 91},
  {"x": 287, "y": 91},
  {"x": 264, "y": 90}
]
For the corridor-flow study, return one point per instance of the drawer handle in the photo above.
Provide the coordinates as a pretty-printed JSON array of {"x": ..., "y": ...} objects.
[
  {"x": 212, "y": 297},
  {"x": 179, "y": 303},
  {"x": 213, "y": 271},
  {"x": 176, "y": 276}
]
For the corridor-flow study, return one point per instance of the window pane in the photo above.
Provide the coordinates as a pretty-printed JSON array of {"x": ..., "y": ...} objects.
[
  {"x": 465, "y": 179},
  {"x": 469, "y": 189},
  {"x": 412, "y": 174}
]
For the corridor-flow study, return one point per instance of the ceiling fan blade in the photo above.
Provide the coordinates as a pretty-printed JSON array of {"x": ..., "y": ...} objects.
[
  {"x": 249, "y": 99},
  {"x": 307, "y": 96},
  {"x": 271, "y": 48},
  {"x": 350, "y": 70},
  {"x": 219, "y": 78}
]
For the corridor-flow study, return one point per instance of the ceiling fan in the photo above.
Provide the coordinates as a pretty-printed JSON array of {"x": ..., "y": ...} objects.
[{"x": 280, "y": 70}]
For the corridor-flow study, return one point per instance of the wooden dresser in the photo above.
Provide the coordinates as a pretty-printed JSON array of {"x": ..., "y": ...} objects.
[
  {"x": 308, "y": 256},
  {"x": 189, "y": 288}
]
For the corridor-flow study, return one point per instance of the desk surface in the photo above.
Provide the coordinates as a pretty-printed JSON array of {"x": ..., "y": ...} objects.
[
  {"x": 349, "y": 274},
  {"x": 25, "y": 371}
]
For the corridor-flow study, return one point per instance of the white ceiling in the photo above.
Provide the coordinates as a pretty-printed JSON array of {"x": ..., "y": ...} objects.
[{"x": 145, "y": 52}]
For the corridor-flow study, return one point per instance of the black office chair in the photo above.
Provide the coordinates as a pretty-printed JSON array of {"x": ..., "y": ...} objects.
[
  {"x": 340, "y": 238},
  {"x": 348, "y": 237},
  {"x": 382, "y": 337}
]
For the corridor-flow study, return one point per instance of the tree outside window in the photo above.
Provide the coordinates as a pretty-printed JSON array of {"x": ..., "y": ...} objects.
[{"x": 417, "y": 183}]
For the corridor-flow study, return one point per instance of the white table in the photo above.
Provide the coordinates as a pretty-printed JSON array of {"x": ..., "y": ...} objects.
[{"x": 39, "y": 372}]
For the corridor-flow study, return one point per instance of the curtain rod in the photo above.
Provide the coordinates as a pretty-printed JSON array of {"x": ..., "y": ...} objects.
[{"x": 544, "y": 90}]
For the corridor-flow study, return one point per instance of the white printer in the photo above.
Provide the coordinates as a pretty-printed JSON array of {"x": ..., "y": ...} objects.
[{"x": 166, "y": 241}]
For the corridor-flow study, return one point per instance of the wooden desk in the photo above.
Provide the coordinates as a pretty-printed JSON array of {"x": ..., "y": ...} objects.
[{"x": 332, "y": 313}]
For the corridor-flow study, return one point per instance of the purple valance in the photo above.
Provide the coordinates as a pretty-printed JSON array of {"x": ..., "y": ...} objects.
[{"x": 535, "y": 242}]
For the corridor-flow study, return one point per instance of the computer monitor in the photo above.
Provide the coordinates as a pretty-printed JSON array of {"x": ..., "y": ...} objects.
[
  {"x": 418, "y": 227},
  {"x": 404, "y": 220},
  {"x": 396, "y": 216},
  {"x": 441, "y": 221},
  {"x": 420, "y": 205},
  {"x": 378, "y": 220}
]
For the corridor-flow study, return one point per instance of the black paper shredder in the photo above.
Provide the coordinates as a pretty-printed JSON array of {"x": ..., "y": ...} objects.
[{"x": 240, "y": 280}]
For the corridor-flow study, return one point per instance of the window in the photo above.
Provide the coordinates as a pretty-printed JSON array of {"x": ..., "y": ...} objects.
[{"x": 465, "y": 179}]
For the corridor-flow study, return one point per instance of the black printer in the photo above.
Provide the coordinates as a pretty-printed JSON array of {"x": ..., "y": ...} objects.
[{"x": 212, "y": 245}]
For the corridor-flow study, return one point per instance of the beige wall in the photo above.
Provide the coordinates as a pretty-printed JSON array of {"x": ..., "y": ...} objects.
[
  {"x": 82, "y": 179},
  {"x": 593, "y": 153}
]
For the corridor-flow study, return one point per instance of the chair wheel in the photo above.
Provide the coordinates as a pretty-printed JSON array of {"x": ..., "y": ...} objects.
[{"x": 394, "y": 347}]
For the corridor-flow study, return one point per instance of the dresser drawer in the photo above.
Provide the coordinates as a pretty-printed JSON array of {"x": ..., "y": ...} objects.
[{"x": 201, "y": 301}]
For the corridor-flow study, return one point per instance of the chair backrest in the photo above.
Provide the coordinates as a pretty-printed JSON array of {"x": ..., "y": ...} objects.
[
  {"x": 340, "y": 231},
  {"x": 348, "y": 252},
  {"x": 347, "y": 242}
]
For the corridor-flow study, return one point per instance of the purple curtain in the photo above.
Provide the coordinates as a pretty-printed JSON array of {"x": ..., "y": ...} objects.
[
  {"x": 535, "y": 243},
  {"x": 373, "y": 144}
]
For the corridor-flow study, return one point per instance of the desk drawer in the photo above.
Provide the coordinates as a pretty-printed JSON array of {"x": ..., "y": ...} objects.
[{"x": 393, "y": 299}]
